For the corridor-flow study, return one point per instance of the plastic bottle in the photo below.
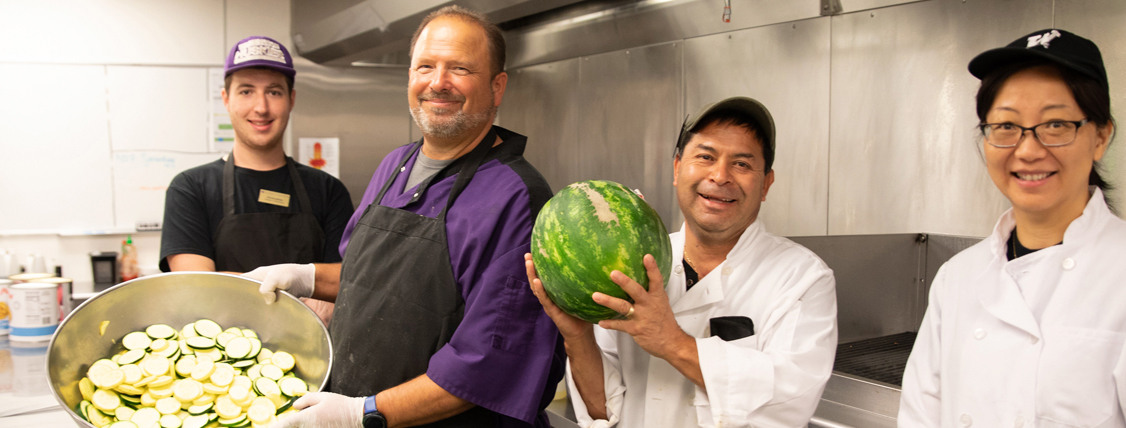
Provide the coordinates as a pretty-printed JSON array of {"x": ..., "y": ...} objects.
[{"x": 129, "y": 269}]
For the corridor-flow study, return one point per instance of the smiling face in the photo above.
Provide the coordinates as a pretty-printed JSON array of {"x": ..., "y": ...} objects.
[
  {"x": 452, "y": 90},
  {"x": 720, "y": 181},
  {"x": 259, "y": 104},
  {"x": 1042, "y": 180}
]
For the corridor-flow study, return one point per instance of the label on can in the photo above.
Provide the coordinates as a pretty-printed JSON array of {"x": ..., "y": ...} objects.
[
  {"x": 5, "y": 312},
  {"x": 35, "y": 311}
]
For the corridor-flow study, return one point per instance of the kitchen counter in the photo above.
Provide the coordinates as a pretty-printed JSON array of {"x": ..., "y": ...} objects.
[{"x": 26, "y": 400}]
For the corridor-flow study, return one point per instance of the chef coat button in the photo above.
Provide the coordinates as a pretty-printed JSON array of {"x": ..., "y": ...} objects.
[
  {"x": 1033, "y": 339},
  {"x": 402, "y": 168},
  {"x": 979, "y": 334},
  {"x": 679, "y": 270},
  {"x": 966, "y": 420},
  {"x": 727, "y": 270},
  {"x": 1019, "y": 422},
  {"x": 1068, "y": 263},
  {"x": 416, "y": 195}
]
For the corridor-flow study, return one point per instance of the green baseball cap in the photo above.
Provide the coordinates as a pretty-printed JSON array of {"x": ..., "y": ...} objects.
[{"x": 744, "y": 105}]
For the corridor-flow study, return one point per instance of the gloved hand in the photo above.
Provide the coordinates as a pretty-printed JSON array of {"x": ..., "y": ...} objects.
[
  {"x": 325, "y": 410},
  {"x": 294, "y": 278}
]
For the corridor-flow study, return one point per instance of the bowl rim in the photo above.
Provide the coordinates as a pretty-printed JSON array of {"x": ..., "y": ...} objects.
[{"x": 51, "y": 344}]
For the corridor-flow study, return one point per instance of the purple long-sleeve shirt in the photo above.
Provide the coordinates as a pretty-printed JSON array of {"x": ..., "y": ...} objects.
[{"x": 506, "y": 354}]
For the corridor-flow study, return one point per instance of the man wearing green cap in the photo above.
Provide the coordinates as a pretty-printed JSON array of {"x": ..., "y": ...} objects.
[{"x": 744, "y": 333}]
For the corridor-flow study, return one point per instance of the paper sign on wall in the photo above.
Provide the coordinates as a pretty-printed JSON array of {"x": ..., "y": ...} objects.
[
  {"x": 220, "y": 134},
  {"x": 320, "y": 153}
]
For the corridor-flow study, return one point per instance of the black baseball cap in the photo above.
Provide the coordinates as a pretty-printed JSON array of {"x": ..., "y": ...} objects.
[
  {"x": 1059, "y": 47},
  {"x": 749, "y": 106}
]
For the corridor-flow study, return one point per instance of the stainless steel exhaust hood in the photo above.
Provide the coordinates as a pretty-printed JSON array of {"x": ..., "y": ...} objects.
[{"x": 378, "y": 32}]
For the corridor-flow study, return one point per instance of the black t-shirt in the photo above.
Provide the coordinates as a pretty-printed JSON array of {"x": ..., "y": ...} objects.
[{"x": 193, "y": 206}]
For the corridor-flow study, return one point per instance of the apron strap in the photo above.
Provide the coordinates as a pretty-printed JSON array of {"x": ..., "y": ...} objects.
[
  {"x": 299, "y": 186},
  {"x": 229, "y": 185},
  {"x": 472, "y": 162},
  {"x": 395, "y": 172}
]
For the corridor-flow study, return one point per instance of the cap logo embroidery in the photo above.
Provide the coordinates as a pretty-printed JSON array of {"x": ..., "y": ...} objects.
[
  {"x": 1043, "y": 39},
  {"x": 259, "y": 49}
]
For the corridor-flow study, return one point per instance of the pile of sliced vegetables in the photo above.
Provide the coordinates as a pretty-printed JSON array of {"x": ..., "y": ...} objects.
[{"x": 200, "y": 376}]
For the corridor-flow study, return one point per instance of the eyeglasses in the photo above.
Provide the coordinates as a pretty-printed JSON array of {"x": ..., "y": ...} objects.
[{"x": 1055, "y": 133}]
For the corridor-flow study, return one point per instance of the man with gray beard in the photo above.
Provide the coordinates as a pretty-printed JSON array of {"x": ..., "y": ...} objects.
[{"x": 435, "y": 322}]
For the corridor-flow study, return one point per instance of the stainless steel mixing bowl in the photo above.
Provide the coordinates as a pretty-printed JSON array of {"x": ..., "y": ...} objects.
[{"x": 177, "y": 299}]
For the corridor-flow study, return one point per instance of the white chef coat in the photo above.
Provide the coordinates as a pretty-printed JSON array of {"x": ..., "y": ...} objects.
[
  {"x": 773, "y": 378},
  {"x": 1037, "y": 341}
]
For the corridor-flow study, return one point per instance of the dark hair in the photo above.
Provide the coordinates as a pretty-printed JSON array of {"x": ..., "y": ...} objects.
[
  {"x": 1092, "y": 97},
  {"x": 730, "y": 117},
  {"x": 288, "y": 79},
  {"x": 492, "y": 32}
]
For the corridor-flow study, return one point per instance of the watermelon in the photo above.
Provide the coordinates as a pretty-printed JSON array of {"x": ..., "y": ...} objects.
[{"x": 588, "y": 230}]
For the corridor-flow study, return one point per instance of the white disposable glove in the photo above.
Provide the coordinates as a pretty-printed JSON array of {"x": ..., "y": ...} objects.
[
  {"x": 294, "y": 278},
  {"x": 325, "y": 410}
]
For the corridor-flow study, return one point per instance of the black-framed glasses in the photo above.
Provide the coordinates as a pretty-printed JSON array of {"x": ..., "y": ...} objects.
[{"x": 1053, "y": 133}]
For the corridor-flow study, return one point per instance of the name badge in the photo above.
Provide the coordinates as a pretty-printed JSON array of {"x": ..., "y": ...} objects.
[{"x": 273, "y": 198}]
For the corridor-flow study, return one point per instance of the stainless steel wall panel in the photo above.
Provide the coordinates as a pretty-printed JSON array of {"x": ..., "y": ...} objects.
[
  {"x": 878, "y": 278},
  {"x": 859, "y": 5},
  {"x": 786, "y": 67},
  {"x": 643, "y": 23},
  {"x": 542, "y": 102},
  {"x": 1102, "y": 22},
  {"x": 903, "y": 154},
  {"x": 366, "y": 108},
  {"x": 629, "y": 119}
]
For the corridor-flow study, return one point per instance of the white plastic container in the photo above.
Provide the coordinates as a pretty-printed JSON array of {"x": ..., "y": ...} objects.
[
  {"x": 5, "y": 309},
  {"x": 35, "y": 312}
]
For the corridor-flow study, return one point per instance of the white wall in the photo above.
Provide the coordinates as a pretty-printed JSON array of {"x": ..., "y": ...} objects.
[{"x": 83, "y": 80}]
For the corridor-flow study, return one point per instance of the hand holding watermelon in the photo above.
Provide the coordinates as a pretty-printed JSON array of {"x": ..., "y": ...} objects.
[{"x": 572, "y": 329}]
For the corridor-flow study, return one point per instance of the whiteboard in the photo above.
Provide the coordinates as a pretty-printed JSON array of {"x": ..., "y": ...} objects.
[
  {"x": 141, "y": 179},
  {"x": 92, "y": 148},
  {"x": 56, "y": 172}
]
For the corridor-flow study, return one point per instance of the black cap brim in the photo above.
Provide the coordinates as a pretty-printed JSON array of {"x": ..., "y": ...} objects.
[{"x": 990, "y": 60}]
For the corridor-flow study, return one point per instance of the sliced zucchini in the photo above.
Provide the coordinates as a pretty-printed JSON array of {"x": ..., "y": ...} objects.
[
  {"x": 283, "y": 360},
  {"x": 106, "y": 400},
  {"x": 99, "y": 367},
  {"x": 271, "y": 371},
  {"x": 133, "y": 373},
  {"x": 246, "y": 332},
  {"x": 255, "y": 348},
  {"x": 265, "y": 386},
  {"x": 131, "y": 357},
  {"x": 146, "y": 417},
  {"x": 126, "y": 389},
  {"x": 86, "y": 388},
  {"x": 188, "y": 331},
  {"x": 242, "y": 364},
  {"x": 195, "y": 421},
  {"x": 187, "y": 390},
  {"x": 293, "y": 387},
  {"x": 264, "y": 355},
  {"x": 237, "y": 421},
  {"x": 239, "y": 347},
  {"x": 226, "y": 408},
  {"x": 168, "y": 405},
  {"x": 207, "y": 328},
  {"x": 289, "y": 403},
  {"x": 201, "y": 343},
  {"x": 170, "y": 421},
  {"x": 201, "y": 409},
  {"x": 136, "y": 340}
]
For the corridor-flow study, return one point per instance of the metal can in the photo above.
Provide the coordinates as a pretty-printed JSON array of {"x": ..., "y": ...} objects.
[
  {"x": 66, "y": 288},
  {"x": 35, "y": 311},
  {"x": 21, "y": 278},
  {"x": 5, "y": 311},
  {"x": 5, "y": 366}
]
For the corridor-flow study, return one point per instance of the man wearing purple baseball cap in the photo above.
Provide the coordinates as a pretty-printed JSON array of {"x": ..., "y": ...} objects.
[{"x": 255, "y": 206}]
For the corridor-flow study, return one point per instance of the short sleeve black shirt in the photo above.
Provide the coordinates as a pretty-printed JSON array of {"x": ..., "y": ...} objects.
[{"x": 193, "y": 206}]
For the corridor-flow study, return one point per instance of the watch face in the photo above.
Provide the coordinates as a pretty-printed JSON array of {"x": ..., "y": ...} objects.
[{"x": 374, "y": 420}]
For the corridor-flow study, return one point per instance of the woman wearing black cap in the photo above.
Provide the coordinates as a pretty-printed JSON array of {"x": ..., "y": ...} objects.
[{"x": 1027, "y": 327}]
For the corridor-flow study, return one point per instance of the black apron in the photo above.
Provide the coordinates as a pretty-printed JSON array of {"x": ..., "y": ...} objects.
[
  {"x": 398, "y": 302},
  {"x": 244, "y": 242}
]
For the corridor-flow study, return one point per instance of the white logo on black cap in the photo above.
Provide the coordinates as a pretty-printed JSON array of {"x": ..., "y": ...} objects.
[
  {"x": 259, "y": 49},
  {"x": 1043, "y": 39}
]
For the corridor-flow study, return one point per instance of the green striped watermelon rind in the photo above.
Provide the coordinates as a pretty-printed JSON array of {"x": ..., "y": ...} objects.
[{"x": 574, "y": 258}]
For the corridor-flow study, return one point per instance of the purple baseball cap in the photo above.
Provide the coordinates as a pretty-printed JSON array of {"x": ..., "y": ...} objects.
[{"x": 259, "y": 51}]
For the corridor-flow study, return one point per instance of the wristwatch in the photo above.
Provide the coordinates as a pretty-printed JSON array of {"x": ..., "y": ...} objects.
[{"x": 372, "y": 417}]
